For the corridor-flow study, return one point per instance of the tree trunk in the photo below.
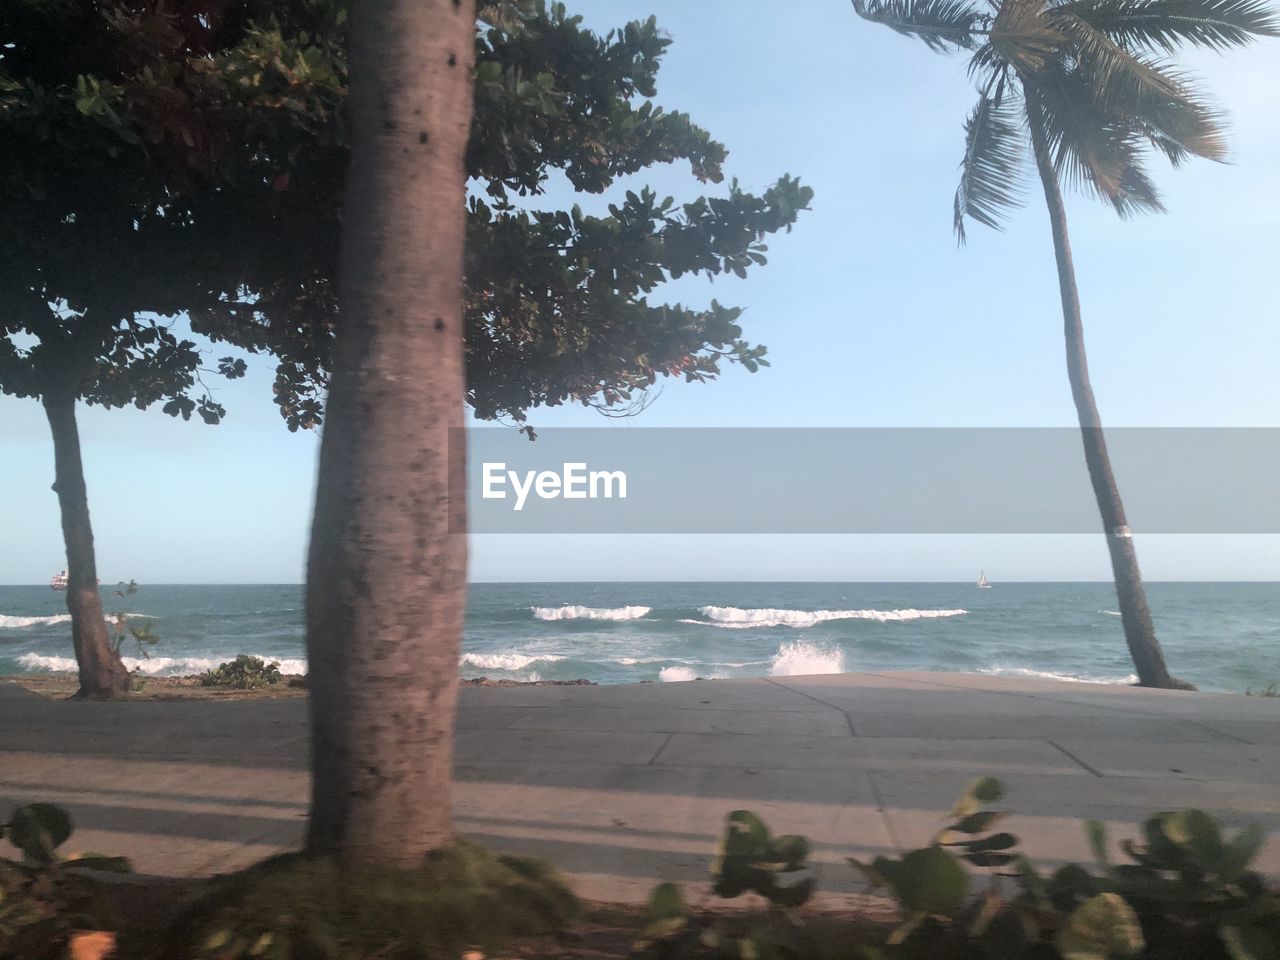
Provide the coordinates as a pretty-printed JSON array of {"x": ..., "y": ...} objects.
[
  {"x": 1139, "y": 631},
  {"x": 102, "y": 674},
  {"x": 386, "y": 579}
]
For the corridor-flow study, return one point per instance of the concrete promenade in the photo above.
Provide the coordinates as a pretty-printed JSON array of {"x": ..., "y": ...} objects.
[{"x": 623, "y": 786}]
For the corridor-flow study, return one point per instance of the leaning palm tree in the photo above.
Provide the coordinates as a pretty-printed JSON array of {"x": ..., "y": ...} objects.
[{"x": 1082, "y": 83}]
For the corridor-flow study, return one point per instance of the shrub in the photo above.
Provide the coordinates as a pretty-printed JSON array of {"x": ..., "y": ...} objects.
[
  {"x": 295, "y": 907},
  {"x": 243, "y": 673},
  {"x": 1186, "y": 894},
  {"x": 42, "y": 902}
]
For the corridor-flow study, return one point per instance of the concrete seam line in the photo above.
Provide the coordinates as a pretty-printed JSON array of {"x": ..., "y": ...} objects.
[
  {"x": 665, "y": 743},
  {"x": 1071, "y": 756},
  {"x": 801, "y": 693},
  {"x": 1220, "y": 733}
]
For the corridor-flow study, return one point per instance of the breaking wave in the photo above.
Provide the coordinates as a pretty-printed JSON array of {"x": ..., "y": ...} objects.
[
  {"x": 676, "y": 674},
  {"x": 1050, "y": 675},
  {"x": 154, "y": 666},
  {"x": 589, "y": 613},
  {"x": 738, "y": 618},
  {"x": 505, "y": 661},
  {"x": 17, "y": 623},
  {"x": 797, "y": 659}
]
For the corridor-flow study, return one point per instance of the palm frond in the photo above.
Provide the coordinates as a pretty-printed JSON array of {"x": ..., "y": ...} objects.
[
  {"x": 1023, "y": 36},
  {"x": 991, "y": 171},
  {"x": 1168, "y": 24},
  {"x": 941, "y": 24},
  {"x": 1091, "y": 150},
  {"x": 1130, "y": 88}
]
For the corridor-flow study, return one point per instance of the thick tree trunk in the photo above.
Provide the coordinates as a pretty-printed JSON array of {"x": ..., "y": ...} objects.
[
  {"x": 102, "y": 674},
  {"x": 1139, "y": 631},
  {"x": 386, "y": 580}
]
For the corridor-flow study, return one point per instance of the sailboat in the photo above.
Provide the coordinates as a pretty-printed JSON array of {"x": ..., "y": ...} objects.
[{"x": 983, "y": 582}]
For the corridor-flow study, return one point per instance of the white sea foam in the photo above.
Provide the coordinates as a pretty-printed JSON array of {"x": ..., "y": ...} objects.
[
  {"x": 589, "y": 613},
  {"x": 17, "y": 623},
  {"x": 676, "y": 674},
  {"x": 737, "y": 618},
  {"x": 1050, "y": 675},
  {"x": 154, "y": 666},
  {"x": 797, "y": 659},
  {"x": 505, "y": 661},
  {"x": 1111, "y": 613}
]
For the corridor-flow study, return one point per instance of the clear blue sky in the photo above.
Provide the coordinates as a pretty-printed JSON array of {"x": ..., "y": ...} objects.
[{"x": 871, "y": 315}]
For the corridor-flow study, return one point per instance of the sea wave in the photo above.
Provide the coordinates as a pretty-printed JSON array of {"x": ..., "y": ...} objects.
[
  {"x": 738, "y": 618},
  {"x": 505, "y": 661},
  {"x": 18, "y": 623},
  {"x": 154, "y": 666},
  {"x": 1128, "y": 680},
  {"x": 676, "y": 674},
  {"x": 797, "y": 659},
  {"x": 589, "y": 613}
]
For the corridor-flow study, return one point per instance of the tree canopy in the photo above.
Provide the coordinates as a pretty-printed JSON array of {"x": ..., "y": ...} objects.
[
  {"x": 1092, "y": 75},
  {"x": 187, "y": 156}
]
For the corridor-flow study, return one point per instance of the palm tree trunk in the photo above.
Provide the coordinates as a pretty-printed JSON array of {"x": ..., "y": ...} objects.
[
  {"x": 1139, "y": 631},
  {"x": 102, "y": 673},
  {"x": 386, "y": 579}
]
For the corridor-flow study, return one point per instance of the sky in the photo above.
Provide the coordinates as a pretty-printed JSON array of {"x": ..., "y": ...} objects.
[{"x": 872, "y": 315}]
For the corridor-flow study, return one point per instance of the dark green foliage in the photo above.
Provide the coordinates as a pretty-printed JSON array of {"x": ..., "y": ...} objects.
[
  {"x": 749, "y": 860},
  {"x": 1188, "y": 894},
  {"x": 41, "y": 901},
  {"x": 243, "y": 673},
  {"x": 163, "y": 159},
  {"x": 293, "y": 907}
]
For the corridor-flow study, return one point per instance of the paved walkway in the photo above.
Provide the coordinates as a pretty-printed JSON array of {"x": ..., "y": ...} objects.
[{"x": 626, "y": 785}]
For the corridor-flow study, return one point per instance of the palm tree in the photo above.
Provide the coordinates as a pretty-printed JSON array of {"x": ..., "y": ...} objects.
[
  {"x": 386, "y": 577},
  {"x": 1082, "y": 83}
]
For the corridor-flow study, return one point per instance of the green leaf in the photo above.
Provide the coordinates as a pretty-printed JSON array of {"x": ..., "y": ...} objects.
[
  {"x": 1197, "y": 834},
  {"x": 981, "y": 791},
  {"x": 997, "y": 841},
  {"x": 1101, "y": 928},
  {"x": 666, "y": 901},
  {"x": 979, "y": 822},
  {"x": 931, "y": 880},
  {"x": 38, "y": 829},
  {"x": 1096, "y": 831}
]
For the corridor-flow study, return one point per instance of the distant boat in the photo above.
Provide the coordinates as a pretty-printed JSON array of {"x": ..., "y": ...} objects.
[
  {"x": 983, "y": 582},
  {"x": 59, "y": 581}
]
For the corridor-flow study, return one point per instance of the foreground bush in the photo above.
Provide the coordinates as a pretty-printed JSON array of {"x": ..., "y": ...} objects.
[
  {"x": 44, "y": 900},
  {"x": 299, "y": 908},
  {"x": 243, "y": 673},
  {"x": 1187, "y": 893}
]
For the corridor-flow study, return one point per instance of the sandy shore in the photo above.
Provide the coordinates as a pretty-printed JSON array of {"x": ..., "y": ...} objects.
[{"x": 61, "y": 685}]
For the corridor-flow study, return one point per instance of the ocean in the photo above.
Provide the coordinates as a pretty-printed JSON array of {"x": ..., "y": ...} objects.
[{"x": 1220, "y": 636}]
